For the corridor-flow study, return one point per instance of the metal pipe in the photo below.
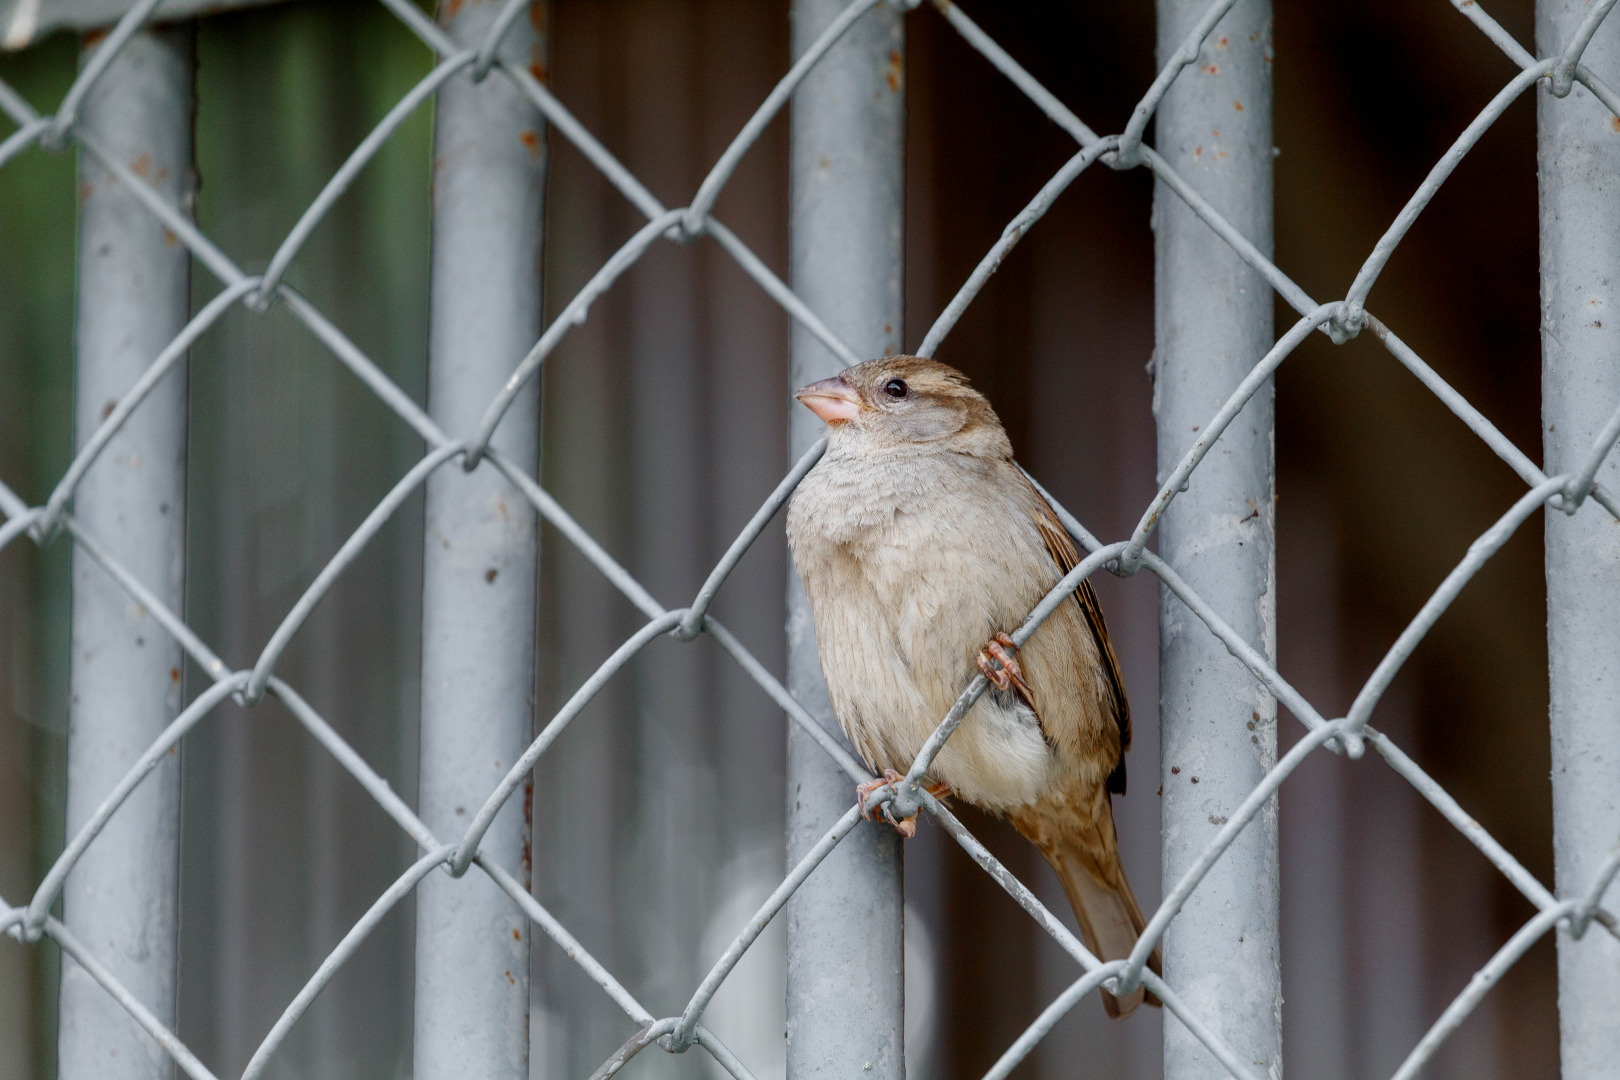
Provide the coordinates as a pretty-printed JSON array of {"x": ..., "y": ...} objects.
[
  {"x": 134, "y": 297},
  {"x": 480, "y": 555},
  {"x": 846, "y": 993},
  {"x": 1218, "y": 725},
  {"x": 1578, "y": 159}
]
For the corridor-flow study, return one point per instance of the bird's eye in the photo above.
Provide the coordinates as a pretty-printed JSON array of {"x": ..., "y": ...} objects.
[{"x": 895, "y": 388}]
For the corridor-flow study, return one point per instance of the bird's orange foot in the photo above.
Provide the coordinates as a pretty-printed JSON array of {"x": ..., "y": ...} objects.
[
  {"x": 864, "y": 791},
  {"x": 997, "y": 663},
  {"x": 906, "y": 827}
]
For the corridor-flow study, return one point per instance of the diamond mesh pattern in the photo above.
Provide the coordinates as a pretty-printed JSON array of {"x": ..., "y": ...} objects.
[{"x": 1340, "y": 319}]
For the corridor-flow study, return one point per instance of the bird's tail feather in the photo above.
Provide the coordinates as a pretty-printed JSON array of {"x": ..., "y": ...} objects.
[{"x": 1086, "y": 859}]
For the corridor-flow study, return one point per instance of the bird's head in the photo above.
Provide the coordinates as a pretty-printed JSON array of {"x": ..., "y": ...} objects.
[{"x": 900, "y": 401}]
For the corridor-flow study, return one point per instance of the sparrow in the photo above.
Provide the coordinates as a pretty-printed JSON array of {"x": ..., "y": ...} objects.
[{"x": 921, "y": 545}]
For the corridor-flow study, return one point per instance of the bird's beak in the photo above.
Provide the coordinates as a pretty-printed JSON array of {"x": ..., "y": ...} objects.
[{"x": 834, "y": 400}]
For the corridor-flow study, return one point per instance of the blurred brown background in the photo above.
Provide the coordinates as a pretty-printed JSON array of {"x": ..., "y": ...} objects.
[{"x": 659, "y": 815}]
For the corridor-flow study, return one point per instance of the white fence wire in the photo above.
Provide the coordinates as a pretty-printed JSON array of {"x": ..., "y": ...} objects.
[{"x": 1576, "y": 490}]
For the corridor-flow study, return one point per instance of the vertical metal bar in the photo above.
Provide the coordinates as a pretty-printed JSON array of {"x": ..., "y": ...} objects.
[
  {"x": 845, "y": 996},
  {"x": 480, "y": 555},
  {"x": 134, "y": 296},
  {"x": 1578, "y": 160},
  {"x": 1218, "y": 727}
]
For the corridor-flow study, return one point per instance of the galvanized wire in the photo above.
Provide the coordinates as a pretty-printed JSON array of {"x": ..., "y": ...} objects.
[{"x": 1341, "y": 320}]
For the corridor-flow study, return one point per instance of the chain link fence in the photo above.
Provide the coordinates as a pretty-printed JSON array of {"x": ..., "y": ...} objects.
[{"x": 489, "y": 448}]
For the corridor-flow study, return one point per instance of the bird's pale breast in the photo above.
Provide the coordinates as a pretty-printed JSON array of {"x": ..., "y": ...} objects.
[{"x": 910, "y": 569}]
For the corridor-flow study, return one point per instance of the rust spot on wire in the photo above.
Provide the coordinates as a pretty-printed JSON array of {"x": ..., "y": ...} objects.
[
  {"x": 896, "y": 70},
  {"x": 530, "y": 141}
]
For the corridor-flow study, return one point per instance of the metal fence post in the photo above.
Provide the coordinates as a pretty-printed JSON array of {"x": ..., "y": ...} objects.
[
  {"x": 1578, "y": 161},
  {"x": 1213, "y": 322},
  {"x": 479, "y": 562},
  {"x": 134, "y": 296},
  {"x": 846, "y": 994}
]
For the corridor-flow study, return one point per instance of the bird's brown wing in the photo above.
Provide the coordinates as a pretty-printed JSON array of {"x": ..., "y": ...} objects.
[{"x": 1067, "y": 556}]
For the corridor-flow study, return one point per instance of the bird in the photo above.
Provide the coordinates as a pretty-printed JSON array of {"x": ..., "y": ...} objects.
[{"x": 921, "y": 544}]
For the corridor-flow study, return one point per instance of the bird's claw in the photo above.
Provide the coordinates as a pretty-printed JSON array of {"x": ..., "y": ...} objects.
[
  {"x": 864, "y": 791},
  {"x": 906, "y": 827},
  {"x": 998, "y": 664}
]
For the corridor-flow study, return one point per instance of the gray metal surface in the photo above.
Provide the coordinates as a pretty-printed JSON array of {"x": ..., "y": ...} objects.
[
  {"x": 1579, "y": 169},
  {"x": 134, "y": 295},
  {"x": 845, "y": 931},
  {"x": 480, "y": 557},
  {"x": 1227, "y": 1007},
  {"x": 1217, "y": 724},
  {"x": 23, "y": 22}
]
